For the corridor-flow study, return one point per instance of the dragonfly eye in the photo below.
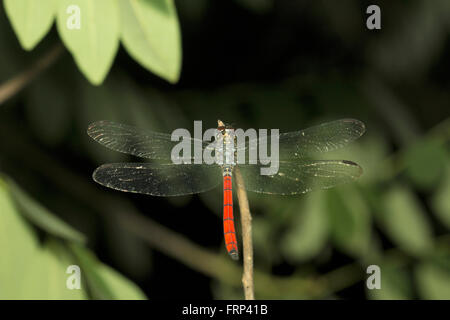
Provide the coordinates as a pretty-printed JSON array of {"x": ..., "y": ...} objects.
[{"x": 221, "y": 128}]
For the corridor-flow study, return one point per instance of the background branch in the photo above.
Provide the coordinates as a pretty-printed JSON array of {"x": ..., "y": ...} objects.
[
  {"x": 246, "y": 225},
  {"x": 11, "y": 87}
]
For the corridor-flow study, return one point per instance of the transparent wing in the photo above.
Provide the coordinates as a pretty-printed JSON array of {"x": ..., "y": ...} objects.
[
  {"x": 300, "y": 176},
  {"x": 159, "y": 179},
  {"x": 132, "y": 140},
  {"x": 309, "y": 142}
]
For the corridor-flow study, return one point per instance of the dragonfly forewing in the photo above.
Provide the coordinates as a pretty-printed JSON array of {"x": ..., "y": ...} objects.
[
  {"x": 312, "y": 141},
  {"x": 137, "y": 142}
]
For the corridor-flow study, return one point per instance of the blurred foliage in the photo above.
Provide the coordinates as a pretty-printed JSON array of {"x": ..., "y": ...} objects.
[
  {"x": 273, "y": 64},
  {"x": 148, "y": 29},
  {"x": 35, "y": 270}
]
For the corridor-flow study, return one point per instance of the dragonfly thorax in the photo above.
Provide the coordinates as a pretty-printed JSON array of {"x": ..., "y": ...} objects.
[{"x": 225, "y": 147}]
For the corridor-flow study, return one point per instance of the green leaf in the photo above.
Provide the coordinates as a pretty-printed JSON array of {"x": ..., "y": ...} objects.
[
  {"x": 433, "y": 281},
  {"x": 405, "y": 222},
  {"x": 46, "y": 278},
  {"x": 94, "y": 45},
  {"x": 441, "y": 200},
  {"x": 309, "y": 229},
  {"x": 18, "y": 243},
  {"x": 121, "y": 287},
  {"x": 28, "y": 271},
  {"x": 425, "y": 163},
  {"x": 350, "y": 221},
  {"x": 151, "y": 35},
  {"x": 103, "y": 282},
  {"x": 395, "y": 284},
  {"x": 41, "y": 217},
  {"x": 30, "y": 19},
  {"x": 97, "y": 287},
  {"x": 61, "y": 251}
]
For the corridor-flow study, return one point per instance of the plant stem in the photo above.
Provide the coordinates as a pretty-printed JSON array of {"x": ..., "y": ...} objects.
[
  {"x": 11, "y": 87},
  {"x": 246, "y": 223}
]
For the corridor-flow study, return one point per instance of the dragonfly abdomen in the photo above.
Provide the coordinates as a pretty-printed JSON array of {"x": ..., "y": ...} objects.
[{"x": 228, "y": 219}]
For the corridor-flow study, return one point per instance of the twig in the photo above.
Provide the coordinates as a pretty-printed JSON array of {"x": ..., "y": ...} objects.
[
  {"x": 11, "y": 87},
  {"x": 246, "y": 224}
]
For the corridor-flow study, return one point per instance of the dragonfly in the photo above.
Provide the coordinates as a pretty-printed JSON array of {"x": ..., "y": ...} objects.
[{"x": 298, "y": 170}]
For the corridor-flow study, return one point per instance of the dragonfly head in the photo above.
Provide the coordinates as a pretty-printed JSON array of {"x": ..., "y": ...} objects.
[{"x": 221, "y": 126}]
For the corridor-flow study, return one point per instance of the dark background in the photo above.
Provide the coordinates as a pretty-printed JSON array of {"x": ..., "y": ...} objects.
[{"x": 260, "y": 64}]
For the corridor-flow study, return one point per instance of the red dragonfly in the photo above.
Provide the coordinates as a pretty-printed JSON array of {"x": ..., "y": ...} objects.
[{"x": 297, "y": 171}]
